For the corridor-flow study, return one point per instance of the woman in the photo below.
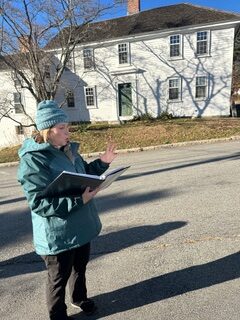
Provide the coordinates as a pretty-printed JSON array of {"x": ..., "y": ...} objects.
[{"x": 62, "y": 227}]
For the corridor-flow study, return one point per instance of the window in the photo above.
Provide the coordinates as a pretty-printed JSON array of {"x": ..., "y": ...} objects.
[
  {"x": 47, "y": 74},
  {"x": 202, "y": 42},
  {"x": 123, "y": 53},
  {"x": 16, "y": 79},
  {"x": 90, "y": 96},
  {"x": 70, "y": 99},
  {"x": 88, "y": 58},
  {"x": 201, "y": 87},
  {"x": 175, "y": 46},
  {"x": 69, "y": 64},
  {"x": 17, "y": 102},
  {"x": 19, "y": 130},
  {"x": 174, "y": 89}
]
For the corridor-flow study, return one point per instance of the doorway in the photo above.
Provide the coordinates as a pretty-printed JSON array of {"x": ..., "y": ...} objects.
[{"x": 125, "y": 99}]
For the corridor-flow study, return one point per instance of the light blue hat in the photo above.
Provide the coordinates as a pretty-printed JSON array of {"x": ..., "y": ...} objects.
[{"x": 49, "y": 114}]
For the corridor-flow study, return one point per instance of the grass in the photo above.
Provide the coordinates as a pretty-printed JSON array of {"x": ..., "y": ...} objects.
[{"x": 93, "y": 137}]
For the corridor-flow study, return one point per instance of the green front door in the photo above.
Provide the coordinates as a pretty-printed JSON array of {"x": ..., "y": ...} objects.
[{"x": 125, "y": 99}]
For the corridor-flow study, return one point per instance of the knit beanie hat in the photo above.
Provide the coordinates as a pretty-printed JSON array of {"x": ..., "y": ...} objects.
[{"x": 49, "y": 114}]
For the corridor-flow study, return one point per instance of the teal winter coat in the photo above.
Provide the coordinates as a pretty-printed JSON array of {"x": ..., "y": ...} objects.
[{"x": 59, "y": 224}]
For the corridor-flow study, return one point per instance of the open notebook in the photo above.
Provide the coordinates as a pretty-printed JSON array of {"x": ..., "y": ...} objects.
[{"x": 73, "y": 184}]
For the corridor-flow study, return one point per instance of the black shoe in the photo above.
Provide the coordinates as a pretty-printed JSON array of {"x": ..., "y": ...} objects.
[{"x": 88, "y": 306}]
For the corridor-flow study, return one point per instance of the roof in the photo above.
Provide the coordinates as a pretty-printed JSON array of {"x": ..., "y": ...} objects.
[{"x": 162, "y": 18}]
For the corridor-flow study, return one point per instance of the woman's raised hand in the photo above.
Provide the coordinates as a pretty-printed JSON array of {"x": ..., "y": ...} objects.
[{"x": 110, "y": 154}]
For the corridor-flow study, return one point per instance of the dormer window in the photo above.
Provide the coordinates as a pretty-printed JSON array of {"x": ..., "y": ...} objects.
[{"x": 123, "y": 53}]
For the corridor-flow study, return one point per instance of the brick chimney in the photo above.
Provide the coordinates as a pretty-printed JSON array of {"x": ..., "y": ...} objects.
[{"x": 133, "y": 6}]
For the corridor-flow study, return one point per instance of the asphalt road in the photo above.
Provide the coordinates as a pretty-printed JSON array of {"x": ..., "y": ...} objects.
[{"x": 169, "y": 248}]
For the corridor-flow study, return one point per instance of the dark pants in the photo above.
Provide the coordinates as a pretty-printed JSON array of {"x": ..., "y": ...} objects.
[{"x": 68, "y": 266}]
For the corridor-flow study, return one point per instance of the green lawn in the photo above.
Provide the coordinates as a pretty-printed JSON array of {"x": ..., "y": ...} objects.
[{"x": 93, "y": 138}]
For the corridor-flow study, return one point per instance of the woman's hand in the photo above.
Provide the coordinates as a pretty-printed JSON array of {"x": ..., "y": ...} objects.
[
  {"x": 88, "y": 195},
  {"x": 109, "y": 155}
]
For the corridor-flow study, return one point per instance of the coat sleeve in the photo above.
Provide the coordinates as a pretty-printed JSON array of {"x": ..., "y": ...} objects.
[
  {"x": 34, "y": 177},
  {"x": 96, "y": 167}
]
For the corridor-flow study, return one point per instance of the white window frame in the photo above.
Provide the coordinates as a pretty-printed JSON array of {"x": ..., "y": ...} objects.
[
  {"x": 88, "y": 59},
  {"x": 178, "y": 86},
  {"x": 17, "y": 103},
  {"x": 123, "y": 52},
  {"x": 200, "y": 40},
  {"x": 90, "y": 93},
  {"x": 204, "y": 85},
  {"x": 173, "y": 43}
]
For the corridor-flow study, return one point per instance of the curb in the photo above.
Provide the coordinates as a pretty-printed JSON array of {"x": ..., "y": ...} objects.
[{"x": 140, "y": 149}]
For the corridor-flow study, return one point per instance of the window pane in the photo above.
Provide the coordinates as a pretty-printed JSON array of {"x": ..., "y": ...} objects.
[
  {"x": 175, "y": 39},
  {"x": 202, "y": 35},
  {"x": 19, "y": 130},
  {"x": 17, "y": 102},
  {"x": 70, "y": 99},
  {"x": 201, "y": 81},
  {"x": 88, "y": 59},
  {"x": 175, "y": 46},
  {"x": 123, "y": 53},
  {"x": 200, "y": 92},
  {"x": 17, "y": 97},
  {"x": 173, "y": 83},
  {"x": 173, "y": 94},
  {"x": 201, "y": 87},
  {"x": 202, "y": 43},
  {"x": 202, "y": 47},
  {"x": 174, "y": 90},
  {"x": 16, "y": 79},
  {"x": 174, "y": 51},
  {"x": 89, "y": 92},
  {"x": 47, "y": 71}
]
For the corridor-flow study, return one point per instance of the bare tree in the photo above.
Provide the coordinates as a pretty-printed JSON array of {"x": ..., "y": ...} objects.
[{"x": 38, "y": 38}]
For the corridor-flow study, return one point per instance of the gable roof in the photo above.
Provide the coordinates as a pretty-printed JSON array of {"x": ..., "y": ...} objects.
[{"x": 168, "y": 17}]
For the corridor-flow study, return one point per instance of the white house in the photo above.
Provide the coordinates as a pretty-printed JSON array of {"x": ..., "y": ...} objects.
[{"x": 175, "y": 59}]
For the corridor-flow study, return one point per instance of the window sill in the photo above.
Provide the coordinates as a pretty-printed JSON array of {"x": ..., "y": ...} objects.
[
  {"x": 206, "y": 55},
  {"x": 91, "y": 107},
  {"x": 175, "y": 58},
  {"x": 175, "y": 101},
  {"x": 89, "y": 70},
  {"x": 127, "y": 64},
  {"x": 201, "y": 99}
]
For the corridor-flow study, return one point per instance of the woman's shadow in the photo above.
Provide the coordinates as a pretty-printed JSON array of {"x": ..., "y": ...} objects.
[
  {"x": 166, "y": 286},
  {"x": 104, "y": 244}
]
